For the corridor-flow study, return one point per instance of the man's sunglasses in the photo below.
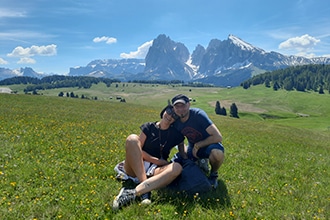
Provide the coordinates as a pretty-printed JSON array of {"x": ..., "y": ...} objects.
[{"x": 171, "y": 112}]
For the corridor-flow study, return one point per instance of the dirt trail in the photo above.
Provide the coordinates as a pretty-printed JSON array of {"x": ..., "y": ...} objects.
[
  {"x": 5, "y": 90},
  {"x": 244, "y": 107}
]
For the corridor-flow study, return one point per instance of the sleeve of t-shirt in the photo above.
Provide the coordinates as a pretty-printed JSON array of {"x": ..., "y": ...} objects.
[
  {"x": 145, "y": 128},
  {"x": 203, "y": 118}
]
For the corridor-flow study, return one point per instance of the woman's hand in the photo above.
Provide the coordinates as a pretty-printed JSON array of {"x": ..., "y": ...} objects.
[{"x": 162, "y": 162}]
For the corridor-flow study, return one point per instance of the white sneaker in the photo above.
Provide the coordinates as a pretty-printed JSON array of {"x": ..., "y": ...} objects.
[
  {"x": 145, "y": 198},
  {"x": 125, "y": 197}
]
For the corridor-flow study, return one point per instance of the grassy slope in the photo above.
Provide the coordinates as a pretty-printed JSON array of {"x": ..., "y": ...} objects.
[
  {"x": 58, "y": 154},
  {"x": 257, "y": 103}
]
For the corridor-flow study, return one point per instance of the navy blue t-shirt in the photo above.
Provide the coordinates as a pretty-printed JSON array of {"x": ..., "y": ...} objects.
[{"x": 195, "y": 127}]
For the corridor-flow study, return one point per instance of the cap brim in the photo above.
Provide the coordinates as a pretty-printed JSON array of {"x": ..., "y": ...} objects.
[{"x": 179, "y": 101}]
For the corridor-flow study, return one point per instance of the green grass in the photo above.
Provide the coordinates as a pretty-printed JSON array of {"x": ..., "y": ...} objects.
[
  {"x": 256, "y": 103},
  {"x": 57, "y": 155}
]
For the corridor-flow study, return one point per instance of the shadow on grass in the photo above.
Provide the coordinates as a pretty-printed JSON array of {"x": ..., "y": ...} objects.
[{"x": 213, "y": 199}]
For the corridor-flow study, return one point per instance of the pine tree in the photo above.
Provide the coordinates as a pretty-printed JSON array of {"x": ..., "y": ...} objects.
[
  {"x": 267, "y": 83},
  {"x": 276, "y": 86},
  {"x": 234, "y": 111},
  {"x": 223, "y": 111},
  {"x": 217, "y": 108}
]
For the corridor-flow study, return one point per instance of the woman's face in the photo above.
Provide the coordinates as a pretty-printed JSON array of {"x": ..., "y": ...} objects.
[{"x": 169, "y": 115}]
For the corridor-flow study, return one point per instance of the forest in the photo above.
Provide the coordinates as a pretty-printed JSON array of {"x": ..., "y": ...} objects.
[
  {"x": 56, "y": 81},
  {"x": 60, "y": 81},
  {"x": 314, "y": 77}
]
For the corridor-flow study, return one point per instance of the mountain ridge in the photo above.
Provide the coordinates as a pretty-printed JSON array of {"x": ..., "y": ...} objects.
[{"x": 223, "y": 63}]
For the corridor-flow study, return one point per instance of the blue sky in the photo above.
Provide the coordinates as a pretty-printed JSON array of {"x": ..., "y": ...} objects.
[{"x": 52, "y": 36}]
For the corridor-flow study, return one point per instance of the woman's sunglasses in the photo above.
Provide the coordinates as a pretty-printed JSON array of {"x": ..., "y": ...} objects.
[{"x": 171, "y": 112}]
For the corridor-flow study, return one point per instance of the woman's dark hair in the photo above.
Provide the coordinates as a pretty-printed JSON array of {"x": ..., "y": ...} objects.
[
  {"x": 170, "y": 110},
  {"x": 162, "y": 112}
]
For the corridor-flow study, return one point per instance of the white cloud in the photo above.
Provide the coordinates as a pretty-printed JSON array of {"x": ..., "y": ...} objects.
[
  {"x": 3, "y": 62},
  {"x": 26, "y": 60},
  {"x": 48, "y": 50},
  {"x": 305, "y": 54},
  {"x": 9, "y": 13},
  {"x": 107, "y": 40},
  {"x": 301, "y": 44},
  {"x": 140, "y": 53}
]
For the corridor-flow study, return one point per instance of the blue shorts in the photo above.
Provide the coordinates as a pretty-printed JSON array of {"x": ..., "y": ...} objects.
[{"x": 204, "y": 152}]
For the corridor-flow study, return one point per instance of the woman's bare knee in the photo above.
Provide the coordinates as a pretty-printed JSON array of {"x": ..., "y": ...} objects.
[
  {"x": 132, "y": 139},
  {"x": 177, "y": 168}
]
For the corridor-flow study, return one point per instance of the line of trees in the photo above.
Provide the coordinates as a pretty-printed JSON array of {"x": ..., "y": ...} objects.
[
  {"x": 161, "y": 82},
  {"x": 61, "y": 81},
  {"x": 72, "y": 95},
  {"x": 314, "y": 77},
  {"x": 56, "y": 81}
]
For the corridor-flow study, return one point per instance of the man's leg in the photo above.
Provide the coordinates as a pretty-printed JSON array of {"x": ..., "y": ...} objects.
[
  {"x": 216, "y": 159},
  {"x": 215, "y": 154}
]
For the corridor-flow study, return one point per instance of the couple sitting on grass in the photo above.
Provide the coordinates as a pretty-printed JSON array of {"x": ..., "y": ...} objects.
[{"x": 147, "y": 154}]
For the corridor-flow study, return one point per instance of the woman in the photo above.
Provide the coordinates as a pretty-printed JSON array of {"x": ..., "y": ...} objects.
[{"x": 146, "y": 158}]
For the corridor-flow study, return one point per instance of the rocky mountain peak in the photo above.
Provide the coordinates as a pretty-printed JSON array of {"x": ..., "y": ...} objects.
[
  {"x": 167, "y": 59},
  {"x": 223, "y": 63},
  {"x": 242, "y": 44}
]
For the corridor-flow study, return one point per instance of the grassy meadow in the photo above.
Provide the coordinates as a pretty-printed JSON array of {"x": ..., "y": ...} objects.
[{"x": 57, "y": 154}]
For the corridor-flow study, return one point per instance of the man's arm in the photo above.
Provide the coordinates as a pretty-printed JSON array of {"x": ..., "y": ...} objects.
[
  {"x": 215, "y": 137},
  {"x": 182, "y": 150}
]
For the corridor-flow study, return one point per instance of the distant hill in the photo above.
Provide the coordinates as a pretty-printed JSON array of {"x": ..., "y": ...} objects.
[
  {"x": 56, "y": 81},
  {"x": 301, "y": 78}
]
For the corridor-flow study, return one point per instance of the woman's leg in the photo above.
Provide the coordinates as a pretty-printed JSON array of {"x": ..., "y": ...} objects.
[
  {"x": 163, "y": 176},
  {"x": 134, "y": 160}
]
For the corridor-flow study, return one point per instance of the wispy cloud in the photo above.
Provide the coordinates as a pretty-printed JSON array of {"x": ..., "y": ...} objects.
[
  {"x": 3, "y": 62},
  {"x": 10, "y": 13},
  {"x": 107, "y": 40},
  {"x": 26, "y": 60},
  {"x": 23, "y": 36},
  {"x": 140, "y": 53}
]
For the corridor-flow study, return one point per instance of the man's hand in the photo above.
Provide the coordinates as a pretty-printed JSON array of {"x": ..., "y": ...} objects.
[{"x": 194, "y": 151}]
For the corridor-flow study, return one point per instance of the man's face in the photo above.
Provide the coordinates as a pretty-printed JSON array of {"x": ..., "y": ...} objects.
[{"x": 181, "y": 109}]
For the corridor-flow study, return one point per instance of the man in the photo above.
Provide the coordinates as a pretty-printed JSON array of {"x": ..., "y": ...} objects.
[{"x": 204, "y": 138}]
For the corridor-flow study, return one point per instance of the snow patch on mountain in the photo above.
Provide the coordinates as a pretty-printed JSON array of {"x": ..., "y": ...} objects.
[
  {"x": 193, "y": 67},
  {"x": 17, "y": 72},
  {"x": 244, "y": 45},
  {"x": 97, "y": 74},
  {"x": 242, "y": 65}
]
